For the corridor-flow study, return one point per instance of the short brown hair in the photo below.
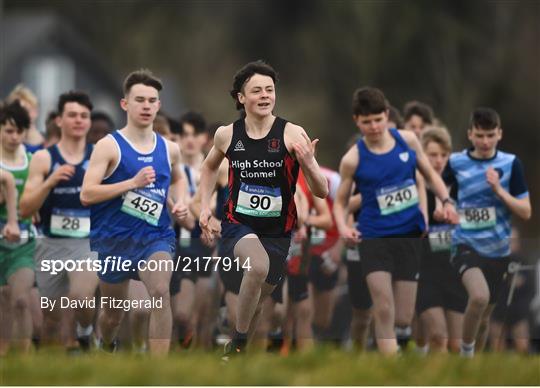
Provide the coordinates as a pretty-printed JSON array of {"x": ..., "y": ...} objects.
[
  {"x": 368, "y": 101},
  {"x": 437, "y": 135},
  {"x": 417, "y": 108},
  {"x": 141, "y": 76}
]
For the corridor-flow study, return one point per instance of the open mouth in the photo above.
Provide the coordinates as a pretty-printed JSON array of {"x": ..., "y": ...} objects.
[{"x": 263, "y": 104}]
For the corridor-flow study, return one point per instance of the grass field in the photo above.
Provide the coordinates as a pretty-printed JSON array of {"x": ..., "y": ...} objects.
[{"x": 324, "y": 367}]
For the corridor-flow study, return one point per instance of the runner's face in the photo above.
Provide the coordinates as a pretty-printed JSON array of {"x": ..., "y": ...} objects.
[
  {"x": 74, "y": 120},
  {"x": 191, "y": 142},
  {"x": 437, "y": 156},
  {"x": 372, "y": 126},
  {"x": 258, "y": 95},
  {"x": 141, "y": 104},
  {"x": 10, "y": 138},
  {"x": 415, "y": 124},
  {"x": 485, "y": 141}
]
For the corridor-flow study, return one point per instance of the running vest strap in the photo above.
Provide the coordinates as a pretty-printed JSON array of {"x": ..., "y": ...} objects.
[
  {"x": 387, "y": 183},
  {"x": 139, "y": 216},
  {"x": 62, "y": 214},
  {"x": 262, "y": 181}
]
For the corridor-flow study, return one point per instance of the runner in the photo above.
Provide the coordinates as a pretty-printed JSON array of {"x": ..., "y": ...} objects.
[
  {"x": 382, "y": 165},
  {"x": 192, "y": 284},
  {"x": 53, "y": 187},
  {"x": 16, "y": 237},
  {"x": 264, "y": 153},
  {"x": 441, "y": 298},
  {"x": 127, "y": 185},
  {"x": 491, "y": 188}
]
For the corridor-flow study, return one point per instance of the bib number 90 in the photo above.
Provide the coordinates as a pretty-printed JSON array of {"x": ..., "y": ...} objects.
[{"x": 257, "y": 202}]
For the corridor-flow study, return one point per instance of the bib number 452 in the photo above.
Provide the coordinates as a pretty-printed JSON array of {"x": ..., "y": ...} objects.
[{"x": 145, "y": 205}]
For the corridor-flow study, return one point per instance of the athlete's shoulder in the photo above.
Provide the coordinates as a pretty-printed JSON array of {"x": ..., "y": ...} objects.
[
  {"x": 41, "y": 156},
  {"x": 349, "y": 161},
  {"x": 106, "y": 148},
  {"x": 460, "y": 156},
  {"x": 293, "y": 129},
  {"x": 408, "y": 136},
  {"x": 507, "y": 156},
  {"x": 223, "y": 137}
]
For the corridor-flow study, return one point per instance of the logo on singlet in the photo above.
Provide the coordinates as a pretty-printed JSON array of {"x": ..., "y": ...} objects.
[
  {"x": 239, "y": 146},
  {"x": 273, "y": 145},
  {"x": 404, "y": 156}
]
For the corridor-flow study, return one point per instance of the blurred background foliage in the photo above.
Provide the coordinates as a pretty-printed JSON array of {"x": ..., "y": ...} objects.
[{"x": 453, "y": 55}]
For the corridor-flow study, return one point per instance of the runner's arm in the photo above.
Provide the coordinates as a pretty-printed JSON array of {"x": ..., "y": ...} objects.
[
  {"x": 7, "y": 183},
  {"x": 347, "y": 167},
  {"x": 517, "y": 200},
  {"x": 210, "y": 167},
  {"x": 299, "y": 144},
  {"x": 36, "y": 188},
  {"x": 432, "y": 178},
  {"x": 323, "y": 218},
  {"x": 422, "y": 196}
]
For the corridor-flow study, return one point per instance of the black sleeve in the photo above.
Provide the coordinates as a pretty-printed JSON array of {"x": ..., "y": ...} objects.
[
  {"x": 449, "y": 178},
  {"x": 518, "y": 186}
]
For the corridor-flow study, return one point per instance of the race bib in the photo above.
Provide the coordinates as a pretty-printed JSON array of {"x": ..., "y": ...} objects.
[
  {"x": 26, "y": 234},
  {"x": 476, "y": 218},
  {"x": 74, "y": 223},
  {"x": 397, "y": 198},
  {"x": 185, "y": 238},
  {"x": 352, "y": 254},
  {"x": 259, "y": 201},
  {"x": 440, "y": 238},
  {"x": 143, "y": 205},
  {"x": 317, "y": 236}
]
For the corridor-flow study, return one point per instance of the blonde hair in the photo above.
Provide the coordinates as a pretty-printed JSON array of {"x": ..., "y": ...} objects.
[
  {"x": 438, "y": 135},
  {"x": 21, "y": 92}
]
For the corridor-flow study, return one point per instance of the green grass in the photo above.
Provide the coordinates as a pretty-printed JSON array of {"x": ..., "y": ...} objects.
[{"x": 325, "y": 367}]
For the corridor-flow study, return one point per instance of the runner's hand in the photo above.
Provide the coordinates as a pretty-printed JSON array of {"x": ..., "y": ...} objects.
[
  {"x": 144, "y": 177},
  {"x": 305, "y": 151},
  {"x": 206, "y": 227},
  {"x": 493, "y": 179},
  {"x": 215, "y": 227},
  {"x": 179, "y": 210},
  {"x": 351, "y": 236},
  {"x": 11, "y": 232},
  {"x": 450, "y": 214},
  {"x": 63, "y": 173}
]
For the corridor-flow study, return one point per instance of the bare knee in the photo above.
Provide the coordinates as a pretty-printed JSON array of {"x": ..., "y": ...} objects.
[
  {"x": 384, "y": 311},
  {"x": 479, "y": 301},
  {"x": 20, "y": 303},
  {"x": 160, "y": 291},
  {"x": 258, "y": 271}
]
